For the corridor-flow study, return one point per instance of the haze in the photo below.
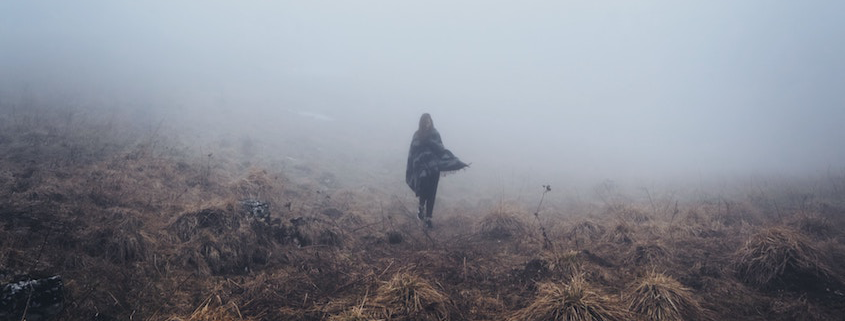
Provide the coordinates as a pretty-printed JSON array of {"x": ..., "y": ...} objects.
[{"x": 552, "y": 92}]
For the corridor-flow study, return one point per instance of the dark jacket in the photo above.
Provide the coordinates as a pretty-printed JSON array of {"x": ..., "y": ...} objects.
[{"x": 427, "y": 158}]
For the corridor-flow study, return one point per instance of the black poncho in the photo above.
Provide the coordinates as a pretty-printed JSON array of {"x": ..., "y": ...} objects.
[{"x": 428, "y": 157}]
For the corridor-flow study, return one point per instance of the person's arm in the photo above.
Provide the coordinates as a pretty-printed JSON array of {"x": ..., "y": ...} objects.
[{"x": 409, "y": 170}]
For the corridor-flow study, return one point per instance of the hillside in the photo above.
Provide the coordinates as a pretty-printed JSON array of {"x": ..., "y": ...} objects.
[{"x": 141, "y": 225}]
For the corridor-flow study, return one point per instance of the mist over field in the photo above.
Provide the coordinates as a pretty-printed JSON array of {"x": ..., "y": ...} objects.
[
  {"x": 564, "y": 93},
  {"x": 245, "y": 160}
]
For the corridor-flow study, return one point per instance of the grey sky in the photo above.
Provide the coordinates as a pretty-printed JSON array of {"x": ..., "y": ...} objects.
[{"x": 565, "y": 89}]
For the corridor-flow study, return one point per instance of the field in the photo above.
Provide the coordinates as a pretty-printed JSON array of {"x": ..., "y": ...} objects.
[{"x": 142, "y": 225}]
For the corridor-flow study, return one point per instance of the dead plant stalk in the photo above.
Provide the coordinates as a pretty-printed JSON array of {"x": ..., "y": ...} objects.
[{"x": 547, "y": 244}]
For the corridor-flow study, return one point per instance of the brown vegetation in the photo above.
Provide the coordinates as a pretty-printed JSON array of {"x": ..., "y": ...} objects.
[
  {"x": 209, "y": 312},
  {"x": 574, "y": 300},
  {"x": 141, "y": 227},
  {"x": 777, "y": 257},
  {"x": 659, "y": 297},
  {"x": 409, "y": 297},
  {"x": 502, "y": 223}
]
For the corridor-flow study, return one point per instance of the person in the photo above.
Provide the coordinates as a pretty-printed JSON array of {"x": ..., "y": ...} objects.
[{"x": 427, "y": 158}]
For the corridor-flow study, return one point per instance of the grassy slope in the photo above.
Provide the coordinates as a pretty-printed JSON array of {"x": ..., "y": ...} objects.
[{"x": 139, "y": 228}]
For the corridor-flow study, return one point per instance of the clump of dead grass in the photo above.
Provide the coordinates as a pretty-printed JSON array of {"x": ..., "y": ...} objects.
[
  {"x": 214, "y": 312},
  {"x": 658, "y": 297},
  {"x": 307, "y": 231},
  {"x": 220, "y": 240},
  {"x": 647, "y": 254},
  {"x": 502, "y": 223},
  {"x": 410, "y": 297},
  {"x": 257, "y": 183},
  {"x": 779, "y": 256},
  {"x": 799, "y": 309},
  {"x": 622, "y": 233},
  {"x": 274, "y": 294},
  {"x": 357, "y": 313},
  {"x": 629, "y": 212},
  {"x": 119, "y": 246},
  {"x": 566, "y": 264},
  {"x": 228, "y": 253},
  {"x": 352, "y": 315},
  {"x": 480, "y": 305},
  {"x": 703, "y": 229},
  {"x": 222, "y": 254},
  {"x": 585, "y": 232},
  {"x": 815, "y": 226},
  {"x": 214, "y": 219},
  {"x": 575, "y": 300},
  {"x": 121, "y": 242}
]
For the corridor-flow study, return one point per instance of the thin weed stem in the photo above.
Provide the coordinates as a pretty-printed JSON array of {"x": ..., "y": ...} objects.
[{"x": 547, "y": 244}]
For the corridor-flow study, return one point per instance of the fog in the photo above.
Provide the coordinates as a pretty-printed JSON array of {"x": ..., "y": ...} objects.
[{"x": 568, "y": 93}]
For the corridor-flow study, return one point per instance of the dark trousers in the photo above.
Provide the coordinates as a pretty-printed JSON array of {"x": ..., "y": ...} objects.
[{"x": 427, "y": 194}]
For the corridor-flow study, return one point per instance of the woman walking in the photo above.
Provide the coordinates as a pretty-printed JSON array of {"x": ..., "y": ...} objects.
[{"x": 427, "y": 158}]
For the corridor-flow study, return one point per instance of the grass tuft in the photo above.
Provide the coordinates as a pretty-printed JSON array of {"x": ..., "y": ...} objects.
[
  {"x": 218, "y": 312},
  {"x": 501, "y": 224},
  {"x": 575, "y": 301},
  {"x": 563, "y": 263},
  {"x": 659, "y": 297},
  {"x": 410, "y": 297},
  {"x": 586, "y": 232},
  {"x": 779, "y": 256}
]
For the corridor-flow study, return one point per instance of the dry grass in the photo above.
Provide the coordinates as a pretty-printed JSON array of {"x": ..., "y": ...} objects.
[
  {"x": 308, "y": 231},
  {"x": 815, "y": 226},
  {"x": 144, "y": 228},
  {"x": 565, "y": 264},
  {"x": 502, "y": 223},
  {"x": 629, "y": 212},
  {"x": 575, "y": 300},
  {"x": 214, "y": 219},
  {"x": 270, "y": 294},
  {"x": 658, "y": 297},
  {"x": 622, "y": 233},
  {"x": 351, "y": 315},
  {"x": 779, "y": 256},
  {"x": 125, "y": 242},
  {"x": 648, "y": 254},
  {"x": 801, "y": 309},
  {"x": 410, "y": 297},
  {"x": 359, "y": 312},
  {"x": 215, "y": 312},
  {"x": 585, "y": 232},
  {"x": 482, "y": 306}
]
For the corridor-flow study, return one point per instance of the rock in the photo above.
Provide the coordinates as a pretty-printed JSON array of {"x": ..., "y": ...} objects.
[
  {"x": 258, "y": 209},
  {"x": 42, "y": 299}
]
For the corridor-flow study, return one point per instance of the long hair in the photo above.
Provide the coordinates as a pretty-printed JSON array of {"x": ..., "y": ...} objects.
[{"x": 426, "y": 126}]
